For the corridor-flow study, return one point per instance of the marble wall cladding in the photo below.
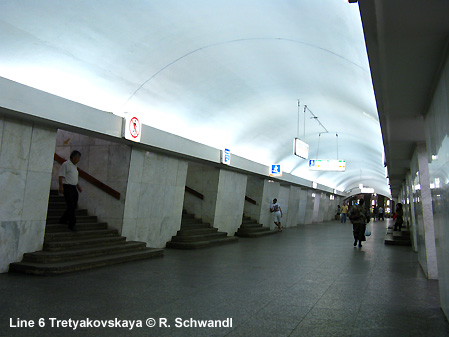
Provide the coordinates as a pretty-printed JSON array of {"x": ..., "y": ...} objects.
[
  {"x": 316, "y": 207},
  {"x": 303, "y": 194},
  {"x": 283, "y": 200},
  {"x": 437, "y": 141},
  {"x": 292, "y": 219},
  {"x": 270, "y": 191},
  {"x": 26, "y": 157},
  {"x": 310, "y": 207},
  {"x": 254, "y": 190},
  {"x": 154, "y": 198},
  {"x": 230, "y": 201}
]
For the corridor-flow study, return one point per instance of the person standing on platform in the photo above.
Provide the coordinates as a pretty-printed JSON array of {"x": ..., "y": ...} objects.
[
  {"x": 69, "y": 186},
  {"x": 375, "y": 212},
  {"x": 381, "y": 213},
  {"x": 338, "y": 212},
  {"x": 359, "y": 217},
  {"x": 276, "y": 209},
  {"x": 399, "y": 217},
  {"x": 344, "y": 213}
]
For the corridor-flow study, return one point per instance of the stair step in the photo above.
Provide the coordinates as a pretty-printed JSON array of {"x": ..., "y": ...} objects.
[
  {"x": 56, "y": 228},
  {"x": 244, "y": 218},
  {"x": 196, "y": 231},
  {"x": 72, "y": 266},
  {"x": 191, "y": 221},
  {"x": 82, "y": 218},
  {"x": 202, "y": 237},
  {"x": 70, "y": 235},
  {"x": 54, "y": 192},
  {"x": 256, "y": 234},
  {"x": 195, "y": 226},
  {"x": 83, "y": 243},
  {"x": 390, "y": 240},
  {"x": 253, "y": 230},
  {"x": 255, "y": 225},
  {"x": 81, "y": 253},
  {"x": 59, "y": 212},
  {"x": 202, "y": 244},
  {"x": 249, "y": 222},
  {"x": 188, "y": 216},
  {"x": 56, "y": 198},
  {"x": 57, "y": 204}
]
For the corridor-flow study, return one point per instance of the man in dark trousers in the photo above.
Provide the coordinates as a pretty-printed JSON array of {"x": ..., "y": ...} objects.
[{"x": 69, "y": 186}]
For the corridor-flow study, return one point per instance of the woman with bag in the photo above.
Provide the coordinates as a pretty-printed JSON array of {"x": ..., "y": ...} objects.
[{"x": 359, "y": 218}]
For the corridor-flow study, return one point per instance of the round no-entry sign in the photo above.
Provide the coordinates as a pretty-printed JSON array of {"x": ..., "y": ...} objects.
[{"x": 134, "y": 127}]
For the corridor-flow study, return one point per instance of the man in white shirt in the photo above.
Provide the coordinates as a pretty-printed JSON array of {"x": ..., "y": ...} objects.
[
  {"x": 69, "y": 186},
  {"x": 276, "y": 209}
]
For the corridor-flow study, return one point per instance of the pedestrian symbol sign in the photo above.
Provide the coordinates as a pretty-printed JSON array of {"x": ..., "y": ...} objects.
[{"x": 276, "y": 170}]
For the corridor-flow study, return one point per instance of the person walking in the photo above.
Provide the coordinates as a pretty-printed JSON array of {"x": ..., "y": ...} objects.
[
  {"x": 344, "y": 213},
  {"x": 381, "y": 213},
  {"x": 276, "y": 209},
  {"x": 69, "y": 187},
  {"x": 399, "y": 217},
  {"x": 359, "y": 217}
]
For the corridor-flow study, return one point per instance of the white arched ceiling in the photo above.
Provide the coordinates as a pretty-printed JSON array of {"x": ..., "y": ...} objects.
[{"x": 223, "y": 73}]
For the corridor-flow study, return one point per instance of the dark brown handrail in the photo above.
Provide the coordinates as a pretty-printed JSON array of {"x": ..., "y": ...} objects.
[
  {"x": 195, "y": 193},
  {"x": 251, "y": 201},
  {"x": 94, "y": 181}
]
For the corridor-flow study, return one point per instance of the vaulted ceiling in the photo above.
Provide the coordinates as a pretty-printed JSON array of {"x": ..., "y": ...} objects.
[{"x": 222, "y": 73}]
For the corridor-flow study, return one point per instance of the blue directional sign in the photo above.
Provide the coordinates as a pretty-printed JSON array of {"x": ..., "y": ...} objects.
[
  {"x": 226, "y": 156},
  {"x": 276, "y": 170}
]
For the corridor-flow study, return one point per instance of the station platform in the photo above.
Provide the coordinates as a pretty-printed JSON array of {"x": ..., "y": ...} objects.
[{"x": 306, "y": 281}]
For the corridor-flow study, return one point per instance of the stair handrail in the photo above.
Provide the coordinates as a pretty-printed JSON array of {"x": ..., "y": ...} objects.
[
  {"x": 94, "y": 181},
  {"x": 193, "y": 192},
  {"x": 251, "y": 201}
]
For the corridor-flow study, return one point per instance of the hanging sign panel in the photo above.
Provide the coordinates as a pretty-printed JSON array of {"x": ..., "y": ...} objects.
[
  {"x": 276, "y": 170},
  {"x": 327, "y": 165},
  {"x": 301, "y": 149},
  {"x": 132, "y": 127}
]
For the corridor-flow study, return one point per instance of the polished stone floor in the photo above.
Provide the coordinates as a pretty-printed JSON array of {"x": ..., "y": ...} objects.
[{"x": 306, "y": 281}]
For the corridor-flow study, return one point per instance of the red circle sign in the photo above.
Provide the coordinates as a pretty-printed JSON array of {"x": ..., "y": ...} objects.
[{"x": 134, "y": 127}]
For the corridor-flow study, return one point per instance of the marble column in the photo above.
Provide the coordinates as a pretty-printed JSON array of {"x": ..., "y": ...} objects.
[
  {"x": 154, "y": 197},
  {"x": 284, "y": 202},
  {"x": 293, "y": 207},
  {"x": 430, "y": 256},
  {"x": 26, "y": 160},
  {"x": 310, "y": 207},
  {"x": 302, "y": 207},
  {"x": 316, "y": 207}
]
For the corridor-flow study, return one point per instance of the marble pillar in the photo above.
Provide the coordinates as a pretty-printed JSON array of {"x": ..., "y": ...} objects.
[
  {"x": 284, "y": 202},
  {"x": 154, "y": 197},
  {"x": 428, "y": 258},
  {"x": 316, "y": 207},
  {"x": 302, "y": 207},
  {"x": 26, "y": 159},
  {"x": 310, "y": 207},
  {"x": 293, "y": 207}
]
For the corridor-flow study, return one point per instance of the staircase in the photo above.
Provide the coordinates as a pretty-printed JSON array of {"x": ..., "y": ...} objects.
[
  {"x": 93, "y": 246},
  {"x": 397, "y": 238},
  {"x": 195, "y": 234},
  {"x": 251, "y": 229}
]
